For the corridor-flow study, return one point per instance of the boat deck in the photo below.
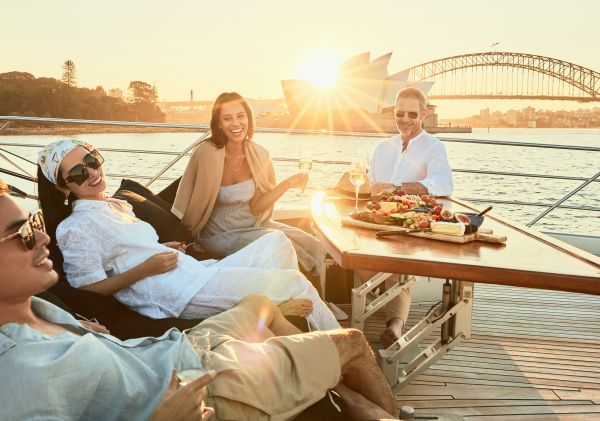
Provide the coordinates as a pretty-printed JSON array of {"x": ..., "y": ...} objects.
[{"x": 533, "y": 355}]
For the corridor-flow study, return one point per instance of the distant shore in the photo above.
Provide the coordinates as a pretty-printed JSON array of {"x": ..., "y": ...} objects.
[
  {"x": 84, "y": 129},
  {"x": 87, "y": 129}
]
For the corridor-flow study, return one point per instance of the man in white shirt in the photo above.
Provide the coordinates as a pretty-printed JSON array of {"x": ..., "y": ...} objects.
[
  {"x": 416, "y": 163},
  {"x": 414, "y": 160}
]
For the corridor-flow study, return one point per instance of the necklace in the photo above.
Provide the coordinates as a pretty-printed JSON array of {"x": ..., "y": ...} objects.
[{"x": 235, "y": 157}]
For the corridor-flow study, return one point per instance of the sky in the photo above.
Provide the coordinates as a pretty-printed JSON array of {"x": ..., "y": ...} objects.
[{"x": 249, "y": 46}]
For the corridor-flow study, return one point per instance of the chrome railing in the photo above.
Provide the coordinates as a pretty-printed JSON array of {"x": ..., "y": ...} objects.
[{"x": 8, "y": 120}]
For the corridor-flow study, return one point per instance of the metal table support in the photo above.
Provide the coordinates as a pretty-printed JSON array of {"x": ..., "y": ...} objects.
[{"x": 409, "y": 356}]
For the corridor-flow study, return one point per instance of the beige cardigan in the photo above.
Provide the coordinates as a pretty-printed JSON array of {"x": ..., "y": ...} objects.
[{"x": 199, "y": 186}]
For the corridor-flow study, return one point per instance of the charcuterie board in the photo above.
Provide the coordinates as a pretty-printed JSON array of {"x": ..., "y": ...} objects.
[{"x": 481, "y": 235}]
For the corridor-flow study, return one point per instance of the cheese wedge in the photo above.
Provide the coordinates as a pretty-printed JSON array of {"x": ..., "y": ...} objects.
[
  {"x": 388, "y": 206},
  {"x": 449, "y": 228}
]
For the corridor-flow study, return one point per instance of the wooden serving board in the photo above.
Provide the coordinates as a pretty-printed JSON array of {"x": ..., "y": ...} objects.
[{"x": 486, "y": 236}]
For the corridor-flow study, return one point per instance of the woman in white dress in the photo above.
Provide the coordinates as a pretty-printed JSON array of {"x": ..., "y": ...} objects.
[{"x": 107, "y": 250}]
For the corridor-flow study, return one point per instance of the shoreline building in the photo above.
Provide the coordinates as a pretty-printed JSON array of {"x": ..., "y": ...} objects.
[{"x": 362, "y": 100}]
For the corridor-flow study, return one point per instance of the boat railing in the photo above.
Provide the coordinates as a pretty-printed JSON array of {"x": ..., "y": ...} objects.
[{"x": 205, "y": 129}]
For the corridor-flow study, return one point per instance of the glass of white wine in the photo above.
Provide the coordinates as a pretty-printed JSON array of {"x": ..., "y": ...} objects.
[
  {"x": 358, "y": 176},
  {"x": 200, "y": 340},
  {"x": 305, "y": 165}
]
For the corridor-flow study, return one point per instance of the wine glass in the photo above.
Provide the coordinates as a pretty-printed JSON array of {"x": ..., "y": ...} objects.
[
  {"x": 200, "y": 340},
  {"x": 358, "y": 176},
  {"x": 305, "y": 165}
]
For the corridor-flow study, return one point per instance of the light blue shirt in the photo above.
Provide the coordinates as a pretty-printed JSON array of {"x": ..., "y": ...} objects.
[{"x": 90, "y": 377}]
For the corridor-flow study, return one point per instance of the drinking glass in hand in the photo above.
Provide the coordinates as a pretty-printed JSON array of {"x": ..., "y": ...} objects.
[
  {"x": 187, "y": 376},
  {"x": 200, "y": 340},
  {"x": 358, "y": 176},
  {"x": 305, "y": 165}
]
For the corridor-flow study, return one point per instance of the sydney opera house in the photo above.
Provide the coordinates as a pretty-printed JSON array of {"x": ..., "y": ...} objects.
[{"x": 362, "y": 99}]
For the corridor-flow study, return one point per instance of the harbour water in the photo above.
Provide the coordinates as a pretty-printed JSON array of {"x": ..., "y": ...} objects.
[{"x": 462, "y": 156}]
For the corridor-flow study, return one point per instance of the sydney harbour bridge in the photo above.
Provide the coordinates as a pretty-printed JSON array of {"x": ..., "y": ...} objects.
[
  {"x": 365, "y": 84},
  {"x": 506, "y": 75}
]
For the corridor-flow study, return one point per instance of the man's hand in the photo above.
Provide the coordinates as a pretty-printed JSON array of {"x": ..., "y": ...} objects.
[
  {"x": 160, "y": 263},
  {"x": 184, "y": 403},
  {"x": 96, "y": 327},
  {"x": 414, "y": 188},
  {"x": 409, "y": 188},
  {"x": 379, "y": 187}
]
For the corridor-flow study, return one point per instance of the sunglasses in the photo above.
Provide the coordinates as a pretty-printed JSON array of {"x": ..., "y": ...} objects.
[
  {"x": 27, "y": 230},
  {"x": 79, "y": 173},
  {"x": 411, "y": 114}
]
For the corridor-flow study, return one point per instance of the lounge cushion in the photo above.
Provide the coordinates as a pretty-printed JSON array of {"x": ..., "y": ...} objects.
[{"x": 153, "y": 209}]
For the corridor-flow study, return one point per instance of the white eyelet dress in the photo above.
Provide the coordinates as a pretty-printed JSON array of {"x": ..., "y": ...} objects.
[{"x": 101, "y": 239}]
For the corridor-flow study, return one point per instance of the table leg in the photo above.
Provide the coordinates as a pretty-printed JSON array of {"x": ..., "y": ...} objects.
[
  {"x": 362, "y": 309},
  {"x": 406, "y": 359}
]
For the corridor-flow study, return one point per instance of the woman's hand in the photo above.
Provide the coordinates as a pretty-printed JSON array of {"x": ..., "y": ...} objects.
[
  {"x": 155, "y": 265},
  {"x": 160, "y": 263},
  {"x": 296, "y": 180},
  {"x": 185, "y": 403},
  {"x": 177, "y": 245}
]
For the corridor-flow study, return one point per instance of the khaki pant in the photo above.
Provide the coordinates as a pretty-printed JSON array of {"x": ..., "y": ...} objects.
[{"x": 261, "y": 376}]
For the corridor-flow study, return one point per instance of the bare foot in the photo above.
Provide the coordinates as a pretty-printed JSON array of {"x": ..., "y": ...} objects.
[
  {"x": 296, "y": 307},
  {"x": 392, "y": 332}
]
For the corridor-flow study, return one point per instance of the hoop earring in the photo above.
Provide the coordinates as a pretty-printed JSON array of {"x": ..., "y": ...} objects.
[{"x": 66, "y": 202}]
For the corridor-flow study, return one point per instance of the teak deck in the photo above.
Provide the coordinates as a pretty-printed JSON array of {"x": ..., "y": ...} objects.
[{"x": 533, "y": 355}]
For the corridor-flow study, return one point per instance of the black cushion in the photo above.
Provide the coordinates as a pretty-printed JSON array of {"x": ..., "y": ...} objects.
[
  {"x": 153, "y": 209},
  {"x": 168, "y": 193}
]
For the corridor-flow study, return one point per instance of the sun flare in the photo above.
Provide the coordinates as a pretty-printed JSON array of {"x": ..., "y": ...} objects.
[{"x": 321, "y": 71}]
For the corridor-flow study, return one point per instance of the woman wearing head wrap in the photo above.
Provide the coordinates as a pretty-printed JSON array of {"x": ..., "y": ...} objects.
[{"x": 107, "y": 250}]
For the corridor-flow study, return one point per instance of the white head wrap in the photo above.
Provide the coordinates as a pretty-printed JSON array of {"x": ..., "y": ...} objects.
[{"x": 51, "y": 156}]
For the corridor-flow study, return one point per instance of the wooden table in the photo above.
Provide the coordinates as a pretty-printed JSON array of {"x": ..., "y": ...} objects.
[{"x": 527, "y": 259}]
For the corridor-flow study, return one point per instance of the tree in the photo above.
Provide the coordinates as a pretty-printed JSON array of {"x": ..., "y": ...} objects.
[
  {"x": 143, "y": 97},
  {"x": 68, "y": 75},
  {"x": 16, "y": 76},
  {"x": 142, "y": 93}
]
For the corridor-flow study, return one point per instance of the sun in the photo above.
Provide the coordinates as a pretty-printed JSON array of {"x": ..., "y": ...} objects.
[{"x": 321, "y": 71}]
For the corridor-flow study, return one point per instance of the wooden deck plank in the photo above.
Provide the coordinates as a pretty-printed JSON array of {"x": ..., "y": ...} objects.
[
  {"x": 533, "y": 355},
  {"x": 520, "y": 371},
  {"x": 482, "y": 392},
  {"x": 491, "y": 355},
  {"x": 593, "y": 395},
  {"x": 509, "y": 411},
  {"x": 547, "y": 417},
  {"x": 491, "y": 382},
  {"x": 478, "y": 403},
  {"x": 449, "y": 375},
  {"x": 509, "y": 364}
]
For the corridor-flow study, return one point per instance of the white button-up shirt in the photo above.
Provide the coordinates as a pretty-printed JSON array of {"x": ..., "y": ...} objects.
[
  {"x": 101, "y": 239},
  {"x": 424, "y": 161}
]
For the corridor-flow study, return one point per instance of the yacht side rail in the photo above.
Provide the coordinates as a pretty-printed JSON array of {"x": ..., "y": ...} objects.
[
  {"x": 206, "y": 132},
  {"x": 11, "y": 119}
]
